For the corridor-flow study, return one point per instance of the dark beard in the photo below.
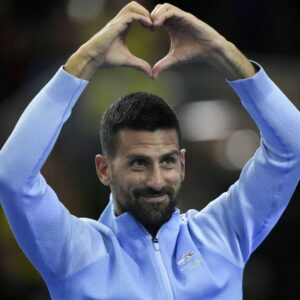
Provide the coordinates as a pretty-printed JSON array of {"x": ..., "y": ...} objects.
[{"x": 152, "y": 215}]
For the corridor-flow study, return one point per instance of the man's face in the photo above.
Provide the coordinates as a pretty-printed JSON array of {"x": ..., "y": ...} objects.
[{"x": 146, "y": 175}]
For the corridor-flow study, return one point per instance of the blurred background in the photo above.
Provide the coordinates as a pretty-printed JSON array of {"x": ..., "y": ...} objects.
[{"x": 37, "y": 38}]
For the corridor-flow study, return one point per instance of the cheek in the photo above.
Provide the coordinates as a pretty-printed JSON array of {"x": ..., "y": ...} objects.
[
  {"x": 174, "y": 177},
  {"x": 129, "y": 180}
]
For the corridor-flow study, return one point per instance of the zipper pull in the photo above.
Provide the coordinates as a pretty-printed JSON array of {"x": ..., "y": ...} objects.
[{"x": 155, "y": 243}]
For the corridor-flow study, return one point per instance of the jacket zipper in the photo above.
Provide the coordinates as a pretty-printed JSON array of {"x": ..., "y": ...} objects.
[{"x": 162, "y": 269}]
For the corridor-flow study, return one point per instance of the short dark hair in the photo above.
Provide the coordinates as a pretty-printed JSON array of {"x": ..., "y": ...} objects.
[{"x": 137, "y": 111}]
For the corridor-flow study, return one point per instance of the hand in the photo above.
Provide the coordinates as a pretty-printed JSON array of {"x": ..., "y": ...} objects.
[
  {"x": 190, "y": 38},
  {"x": 107, "y": 48},
  {"x": 193, "y": 40}
]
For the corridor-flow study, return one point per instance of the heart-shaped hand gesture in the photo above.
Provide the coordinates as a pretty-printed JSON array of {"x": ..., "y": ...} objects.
[{"x": 191, "y": 40}]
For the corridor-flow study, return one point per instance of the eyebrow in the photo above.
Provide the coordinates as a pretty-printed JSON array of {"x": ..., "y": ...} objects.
[
  {"x": 171, "y": 153},
  {"x": 142, "y": 156}
]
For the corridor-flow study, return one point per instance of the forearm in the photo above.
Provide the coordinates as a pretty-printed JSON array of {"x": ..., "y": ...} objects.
[
  {"x": 268, "y": 180},
  {"x": 29, "y": 145},
  {"x": 275, "y": 115}
]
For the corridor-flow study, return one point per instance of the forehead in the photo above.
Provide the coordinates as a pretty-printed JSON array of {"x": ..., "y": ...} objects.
[{"x": 147, "y": 142}]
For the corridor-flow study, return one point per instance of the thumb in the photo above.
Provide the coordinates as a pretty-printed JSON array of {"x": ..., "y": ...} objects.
[
  {"x": 165, "y": 63},
  {"x": 139, "y": 64}
]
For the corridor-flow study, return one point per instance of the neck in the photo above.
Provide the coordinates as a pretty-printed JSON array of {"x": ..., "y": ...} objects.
[{"x": 152, "y": 230}]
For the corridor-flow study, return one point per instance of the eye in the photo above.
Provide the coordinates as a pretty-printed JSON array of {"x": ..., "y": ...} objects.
[
  {"x": 138, "y": 164},
  {"x": 169, "y": 161}
]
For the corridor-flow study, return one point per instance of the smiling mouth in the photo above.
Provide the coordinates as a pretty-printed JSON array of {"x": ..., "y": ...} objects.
[{"x": 154, "y": 198}]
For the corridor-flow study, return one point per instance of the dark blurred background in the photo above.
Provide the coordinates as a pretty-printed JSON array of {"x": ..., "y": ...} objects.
[{"x": 38, "y": 36}]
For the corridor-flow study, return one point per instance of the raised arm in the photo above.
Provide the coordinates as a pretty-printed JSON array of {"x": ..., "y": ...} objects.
[
  {"x": 41, "y": 224},
  {"x": 237, "y": 222}
]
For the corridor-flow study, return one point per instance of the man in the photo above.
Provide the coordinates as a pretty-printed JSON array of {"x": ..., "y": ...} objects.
[{"x": 142, "y": 247}]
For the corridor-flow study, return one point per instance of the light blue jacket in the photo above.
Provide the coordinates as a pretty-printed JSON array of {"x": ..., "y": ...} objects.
[{"x": 197, "y": 255}]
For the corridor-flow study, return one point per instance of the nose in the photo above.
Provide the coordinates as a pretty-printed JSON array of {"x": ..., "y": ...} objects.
[{"x": 155, "y": 178}]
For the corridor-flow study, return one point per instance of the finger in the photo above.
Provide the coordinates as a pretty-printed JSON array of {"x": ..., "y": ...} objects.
[
  {"x": 134, "y": 7},
  {"x": 145, "y": 21},
  {"x": 165, "y": 63},
  {"x": 160, "y": 9},
  {"x": 169, "y": 15},
  {"x": 162, "y": 12},
  {"x": 133, "y": 16},
  {"x": 154, "y": 11},
  {"x": 122, "y": 23},
  {"x": 139, "y": 64}
]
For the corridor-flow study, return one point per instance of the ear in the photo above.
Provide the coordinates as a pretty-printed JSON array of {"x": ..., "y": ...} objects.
[
  {"x": 182, "y": 162},
  {"x": 103, "y": 169}
]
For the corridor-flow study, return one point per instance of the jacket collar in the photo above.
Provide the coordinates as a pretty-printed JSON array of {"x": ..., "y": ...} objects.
[{"x": 126, "y": 223}]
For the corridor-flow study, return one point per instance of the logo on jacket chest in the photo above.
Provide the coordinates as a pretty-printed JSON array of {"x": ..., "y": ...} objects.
[{"x": 188, "y": 261}]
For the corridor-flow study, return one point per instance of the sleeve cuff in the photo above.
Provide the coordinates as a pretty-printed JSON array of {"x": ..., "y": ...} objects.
[
  {"x": 257, "y": 87},
  {"x": 64, "y": 85}
]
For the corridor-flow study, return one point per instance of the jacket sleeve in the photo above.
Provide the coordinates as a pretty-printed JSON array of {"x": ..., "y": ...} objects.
[
  {"x": 43, "y": 227},
  {"x": 239, "y": 220}
]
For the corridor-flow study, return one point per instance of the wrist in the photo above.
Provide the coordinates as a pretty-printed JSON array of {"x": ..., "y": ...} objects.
[
  {"x": 230, "y": 62},
  {"x": 81, "y": 64}
]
